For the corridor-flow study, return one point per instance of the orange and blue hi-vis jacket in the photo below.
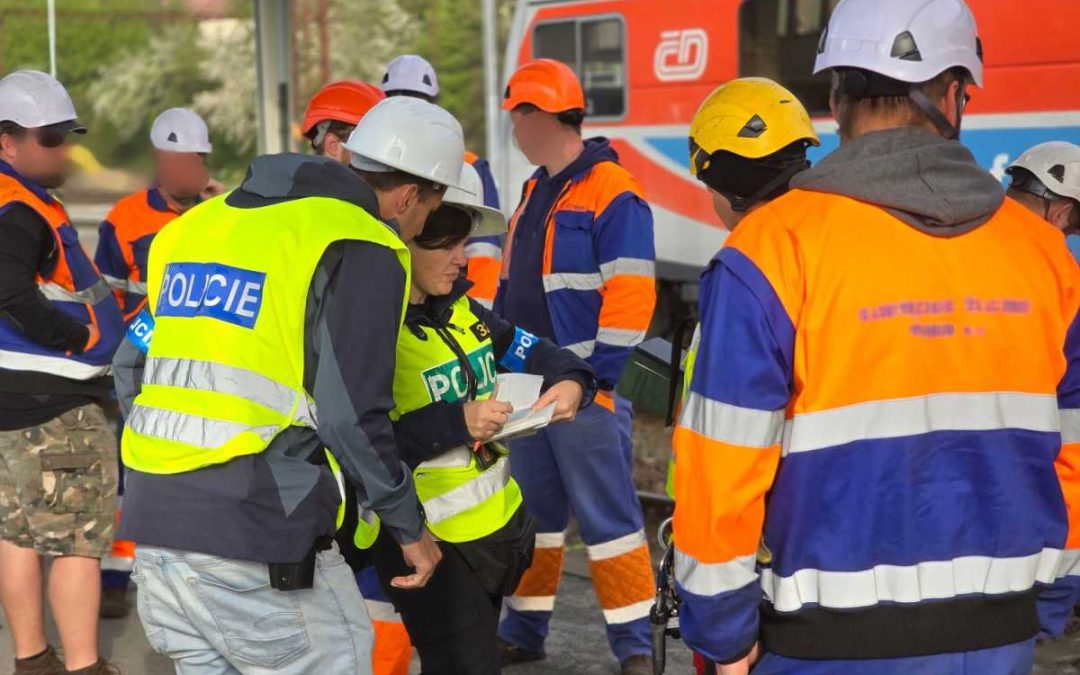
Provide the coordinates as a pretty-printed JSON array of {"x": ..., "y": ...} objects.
[
  {"x": 124, "y": 245},
  {"x": 586, "y": 276},
  {"x": 484, "y": 253},
  {"x": 871, "y": 461}
]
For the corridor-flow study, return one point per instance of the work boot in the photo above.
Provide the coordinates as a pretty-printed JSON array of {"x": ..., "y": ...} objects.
[
  {"x": 639, "y": 664},
  {"x": 102, "y": 667},
  {"x": 511, "y": 654},
  {"x": 45, "y": 663},
  {"x": 114, "y": 603}
]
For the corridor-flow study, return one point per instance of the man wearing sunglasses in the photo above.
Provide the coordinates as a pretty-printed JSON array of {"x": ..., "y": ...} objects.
[{"x": 59, "y": 327}]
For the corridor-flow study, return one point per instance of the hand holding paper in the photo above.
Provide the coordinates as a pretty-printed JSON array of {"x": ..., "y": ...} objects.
[{"x": 566, "y": 396}]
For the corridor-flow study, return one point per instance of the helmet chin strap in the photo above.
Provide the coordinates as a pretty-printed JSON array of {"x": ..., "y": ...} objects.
[{"x": 919, "y": 98}]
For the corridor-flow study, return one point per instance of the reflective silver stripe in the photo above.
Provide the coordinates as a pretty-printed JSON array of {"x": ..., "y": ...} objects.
[
  {"x": 484, "y": 302},
  {"x": 920, "y": 415},
  {"x": 1070, "y": 425},
  {"x": 558, "y": 281},
  {"x": 1069, "y": 564},
  {"x": 89, "y": 296},
  {"x": 620, "y": 337},
  {"x": 583, "y": 349},
  {"x": 115, "y": 283},
  {"x": 125, "y": 285},
  {"x": 932, "y": 580},
  {"x": 465, "y": 497},
  {"x": 638, "y": 610},
  {"x": 456, "y": 458},
  {"x": 200, "y": 432},
  {"x": 637, "y": 267},
  {"x": 616, "y": 547},
  {"x": 531, "y": 603},
  {"x": 482, "y": 249},
  {"x": 54, "y": 365},
  {"x": 550, "y": 539},
  {"x": 732, "y": 424},
  {"x": 713, "y": 578},
  {"x": 231, "y": 380}
]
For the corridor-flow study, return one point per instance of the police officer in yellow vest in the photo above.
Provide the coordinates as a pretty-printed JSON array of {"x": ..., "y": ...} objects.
[
  {"x": 274, "y": 312},
  {"x": 444, "y": 417}
]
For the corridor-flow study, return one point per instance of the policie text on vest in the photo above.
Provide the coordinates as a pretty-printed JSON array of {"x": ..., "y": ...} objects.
[{"x": 212, "y": 290}]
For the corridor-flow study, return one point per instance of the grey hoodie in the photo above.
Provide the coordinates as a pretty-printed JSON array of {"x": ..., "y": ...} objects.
[{"x": 928, "y": 182}]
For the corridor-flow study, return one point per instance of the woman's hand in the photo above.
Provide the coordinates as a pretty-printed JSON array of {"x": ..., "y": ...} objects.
[
  {"x": 484, "y": 419},
  {"x": 566, "y": 396}
]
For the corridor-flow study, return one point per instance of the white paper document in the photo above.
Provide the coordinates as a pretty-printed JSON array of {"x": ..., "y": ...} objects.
[{"x": 521, "y": 390}]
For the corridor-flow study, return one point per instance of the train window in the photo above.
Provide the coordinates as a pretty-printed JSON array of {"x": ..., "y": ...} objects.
[
  {"x": 778, "y": 39},
  {"x": 596, "y": 49}
]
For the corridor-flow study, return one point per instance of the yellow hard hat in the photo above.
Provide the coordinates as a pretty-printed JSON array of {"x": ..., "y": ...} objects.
[{"x": 752, "y": 117}]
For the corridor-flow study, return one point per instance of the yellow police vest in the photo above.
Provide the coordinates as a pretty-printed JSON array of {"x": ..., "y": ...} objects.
[
  {"x": 462, "y": 500},
  {"x": 228, "y": 290}
]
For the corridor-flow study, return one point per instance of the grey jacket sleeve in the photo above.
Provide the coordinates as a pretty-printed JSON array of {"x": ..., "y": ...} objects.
[
  {"x": 357, "y": 294},
  {"x": 128, "y": 364}
]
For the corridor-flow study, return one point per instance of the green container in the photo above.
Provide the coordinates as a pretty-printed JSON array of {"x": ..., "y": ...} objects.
[{"x": 646, "y": 380}]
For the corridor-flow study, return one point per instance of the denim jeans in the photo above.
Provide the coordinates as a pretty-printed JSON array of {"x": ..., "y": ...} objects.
[{"x": 216, "y": 616}]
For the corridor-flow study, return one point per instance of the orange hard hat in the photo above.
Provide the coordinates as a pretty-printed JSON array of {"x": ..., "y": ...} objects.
[
  {"x": 343, "y": 101},
  {"x": 548, "y": 84}
]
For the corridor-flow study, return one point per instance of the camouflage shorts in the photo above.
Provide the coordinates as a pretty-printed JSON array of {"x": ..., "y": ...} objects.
[{"x": 58, "y": 485}]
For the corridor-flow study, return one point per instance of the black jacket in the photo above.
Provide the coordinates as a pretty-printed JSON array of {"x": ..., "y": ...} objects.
[{"x": 430, "y": 431}]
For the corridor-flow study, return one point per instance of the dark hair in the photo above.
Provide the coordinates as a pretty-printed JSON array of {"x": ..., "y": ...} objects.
[
  {"x": 573, "y": 118},
  {"x": 388, "y": 180},
  {"x": 11, "y": 128},
  {"x": 851, "y": 106},
  {"x": 411, "y": 94},
  {"x": 336, "y": 127},
  {"x": 446, "y": 227}
]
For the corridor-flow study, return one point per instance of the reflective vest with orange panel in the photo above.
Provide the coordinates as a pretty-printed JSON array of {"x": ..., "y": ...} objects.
[
  {"x": 484, "y": 253},
  {"x": 74, "y": 285},
  {"x": 896, "y": 395},
  {"x": 598, "y": 270},
  {"x": 124, "y": 245}
]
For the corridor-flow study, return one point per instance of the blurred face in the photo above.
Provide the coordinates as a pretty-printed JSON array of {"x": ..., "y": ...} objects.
[
  {"x": 722, "y": 205},
  {"x": 532, "y": 130},
  {"x": 182, "y": 175},
  {"x": 42, "y": 155},
  {"x": 435, "y": 270}
]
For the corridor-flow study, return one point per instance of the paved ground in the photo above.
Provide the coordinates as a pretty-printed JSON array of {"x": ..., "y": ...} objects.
[{"x": 577, "y": 645}]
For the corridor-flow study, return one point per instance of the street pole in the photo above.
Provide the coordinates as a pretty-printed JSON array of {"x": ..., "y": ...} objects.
[
  {"x": 491, "y": 85},
  {"x": 52, "y": 37}
]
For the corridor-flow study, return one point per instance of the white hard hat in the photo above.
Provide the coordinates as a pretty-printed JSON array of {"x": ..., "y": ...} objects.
[
  {"x": 410, "y": 135},
  {"x": 1055, "y": 164},
  {"x": 180, "y": 130},
  {"x": 906, "y": 40},
  {"x": 486, "y": 221},
  {"x": 411, "y": 73},
  {"x": 32, "y": 99}
]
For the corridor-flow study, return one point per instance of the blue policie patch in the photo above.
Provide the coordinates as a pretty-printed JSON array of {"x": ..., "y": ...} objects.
[
  {"x": 141, "y": 330},
  {"x": 212, "y": 290},
  {"x": 518, "y": 351}
]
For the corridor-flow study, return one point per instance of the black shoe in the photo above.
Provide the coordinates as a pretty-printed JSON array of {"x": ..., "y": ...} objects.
[
  {"x": 511, "y": 654},
  {"x": 639, "y": 664},
  {"x": 114, "y": 603},
  {"x": 45, "y": 663},
  {"x": 102, "y": 667}
]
